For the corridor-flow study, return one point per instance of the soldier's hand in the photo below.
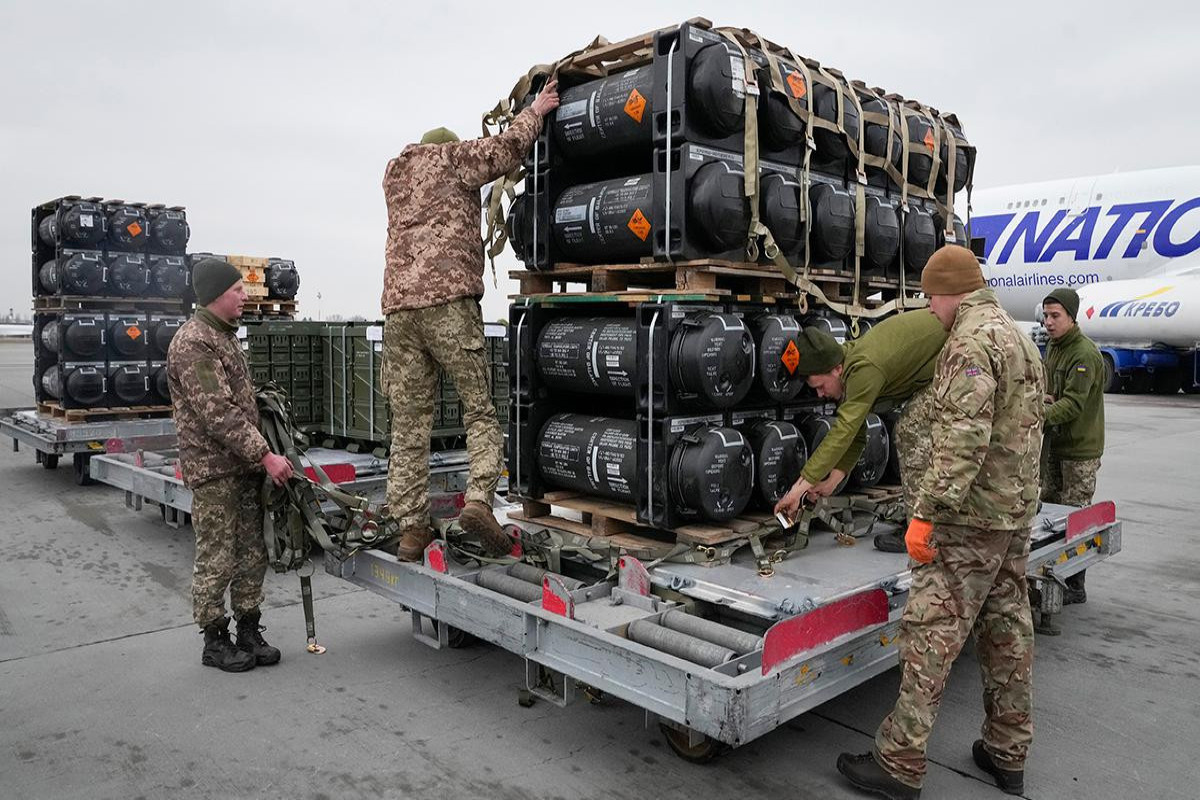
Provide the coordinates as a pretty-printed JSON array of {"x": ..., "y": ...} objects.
[
  {"x": 547, "y": 99},
  {"x": 789, "y": 504},
  {"x": 919, "y": 541},
  {"x": 278, "y": 467}
]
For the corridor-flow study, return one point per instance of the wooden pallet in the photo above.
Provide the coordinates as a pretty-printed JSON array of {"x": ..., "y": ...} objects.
[
  {"x": 269, "y": 308},
  {"x": 102, "y": 414},
  {"x": 52, "y": 303},
  {"x": 618, "y": 521}
]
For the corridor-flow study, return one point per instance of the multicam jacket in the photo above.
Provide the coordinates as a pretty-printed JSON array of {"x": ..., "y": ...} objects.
[
  {"x": 989, "y": 391},
  {"x": 216, "y": 417},
  {"x": 434, "y": 247}
]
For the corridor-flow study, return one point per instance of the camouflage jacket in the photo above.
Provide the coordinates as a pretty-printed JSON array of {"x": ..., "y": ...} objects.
[
  {"x": 434, "y": 245},
  {"x": 989, "y": 391},
  {"x": 216, "y": 416}
]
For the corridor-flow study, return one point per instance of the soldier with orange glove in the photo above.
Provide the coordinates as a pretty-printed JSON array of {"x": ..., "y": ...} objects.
[{"x": 969, "y": 539}]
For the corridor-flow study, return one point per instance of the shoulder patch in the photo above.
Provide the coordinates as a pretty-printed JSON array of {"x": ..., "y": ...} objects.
[
  {"x": 1081, "y": 368},
  {"x": 206, "y": 376},
  {"x": 972, "y": 372}
]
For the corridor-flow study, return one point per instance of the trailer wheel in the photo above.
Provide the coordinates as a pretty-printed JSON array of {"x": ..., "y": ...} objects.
[
  {"x": 458, "y": 638},
  {"x": 701, "y": 753},
  {"x": 1140, "y": 382},
  {"x": 1166, "y": 381},
  {"x": 49, "y": 460},
  {"x": 1112, "y": 381},
  {"x": 82, "y": 476}
]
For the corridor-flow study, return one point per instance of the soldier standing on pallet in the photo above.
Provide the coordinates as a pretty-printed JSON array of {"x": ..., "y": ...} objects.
[
  {"x": 222, "y": 456},
  {"x": 969, "y": 539},
  {"x": 1074, "y": 415},
  {"x": 892, "y": 364},
  {"x": 431, "y": 290}
]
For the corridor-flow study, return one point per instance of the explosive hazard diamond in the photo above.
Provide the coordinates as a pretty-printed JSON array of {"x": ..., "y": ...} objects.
[
  {"x": 635, "y": 106},
  {"x": 791, "y": 357},
  {"x": 639, "y": 225}
]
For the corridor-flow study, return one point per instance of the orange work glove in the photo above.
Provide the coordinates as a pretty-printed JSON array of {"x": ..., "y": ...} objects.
[{"x": 918, "y": 541}]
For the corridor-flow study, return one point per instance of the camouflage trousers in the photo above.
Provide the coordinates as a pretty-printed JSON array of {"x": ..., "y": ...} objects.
[
  {"x": 415, "y": 342},
  {"x": 227, "y": 516},
  {"x": 1070, "y": 483},
  {"x": 914, "y": 443},
  {"x": 974, "y": 585}
]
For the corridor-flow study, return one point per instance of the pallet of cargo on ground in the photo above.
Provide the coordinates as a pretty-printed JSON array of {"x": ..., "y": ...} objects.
[
  {"x": 55, "y": 303},
  {"x": 255, "y": 307}
]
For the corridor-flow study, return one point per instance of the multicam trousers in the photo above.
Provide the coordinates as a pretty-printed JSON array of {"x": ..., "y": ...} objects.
[
  {"x": 415, "y": 342},
  {"x": 1070, "y": 483},
  {"x": 914, "y": 443},
  {"x": 975, "y": 585},
  {"x": 227, "y": 516}
]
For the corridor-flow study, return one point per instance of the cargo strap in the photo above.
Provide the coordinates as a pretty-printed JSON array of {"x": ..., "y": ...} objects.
[{"x": 292, "y": 516}]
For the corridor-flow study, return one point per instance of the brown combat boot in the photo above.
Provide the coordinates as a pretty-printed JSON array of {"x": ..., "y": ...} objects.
[
  {"x": 478, "y": 520},
  {"x": 412, "y": 544}
]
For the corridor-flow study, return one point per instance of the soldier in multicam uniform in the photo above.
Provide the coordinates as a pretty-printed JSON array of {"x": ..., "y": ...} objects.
[
  {"x": 222, "y": 456},
  {"x": 1074, "y": 415},
  {"x": 969, "y": 539},
  {"x": 431, "y": 290},
  {"x": 891, "y": 365}
]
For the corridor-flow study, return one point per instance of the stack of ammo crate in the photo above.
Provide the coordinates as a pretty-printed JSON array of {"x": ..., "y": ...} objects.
[
  {"x": 110, "y": 286},
  {"x": 332, "y": 374},
  {"x": 271, "y": 284}
]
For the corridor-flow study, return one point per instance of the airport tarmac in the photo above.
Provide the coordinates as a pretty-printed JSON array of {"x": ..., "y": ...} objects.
[{"x": 103, "y": 696}]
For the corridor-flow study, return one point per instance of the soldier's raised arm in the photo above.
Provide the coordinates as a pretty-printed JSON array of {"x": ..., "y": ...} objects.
[{"x": 480, "y": 161}]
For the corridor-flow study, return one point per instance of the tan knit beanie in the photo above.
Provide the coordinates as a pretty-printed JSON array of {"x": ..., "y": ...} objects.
[{"x": 952, "y": 270}]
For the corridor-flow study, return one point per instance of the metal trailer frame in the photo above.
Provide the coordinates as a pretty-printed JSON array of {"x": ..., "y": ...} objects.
[
  {"x": 52, "y": 438},
  {"x": 828, "y": 629},
  {"x": 828, "y": 615}
]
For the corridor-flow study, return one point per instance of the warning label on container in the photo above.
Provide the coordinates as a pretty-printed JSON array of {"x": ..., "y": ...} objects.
[
  {"x": 791, "y": 357},
  {"x": 85, "y": 220},
  {"x": 252, "y": 277},
  {"x": 134, "y": 229},
  {"x": 929, "y": 139},
  {"x": 133, "y": 332},
  {"x": 635, "y": 106},
  {"x": 639, "y": 224},
  {"x": 795, "y": 82}
]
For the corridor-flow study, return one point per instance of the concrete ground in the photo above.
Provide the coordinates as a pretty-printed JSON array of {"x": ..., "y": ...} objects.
[{"x": 103, "y": 696}]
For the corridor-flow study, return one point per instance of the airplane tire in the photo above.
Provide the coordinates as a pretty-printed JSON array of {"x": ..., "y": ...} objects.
[{"x": 1112, "y": 381}]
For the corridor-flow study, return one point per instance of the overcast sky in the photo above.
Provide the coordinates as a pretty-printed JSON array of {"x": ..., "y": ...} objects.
[{"x": 272, "y": 122}]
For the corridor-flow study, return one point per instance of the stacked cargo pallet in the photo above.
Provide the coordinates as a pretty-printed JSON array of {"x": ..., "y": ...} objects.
[
  {"x": 271, "y": 285},
  {"x": 110, "y": 280},
  {"x": 708, "y": 193},
  {"x": 332, "y": 374}
]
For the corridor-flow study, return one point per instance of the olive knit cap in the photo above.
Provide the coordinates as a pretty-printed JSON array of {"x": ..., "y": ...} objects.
[
  {"x": 952, "y": 270},
  {"x": 819, "y": 352},
  {"x": 439, "y": 136},
  {"x": 211, "y": 278},
  {"x": 1067, "y": 298}
]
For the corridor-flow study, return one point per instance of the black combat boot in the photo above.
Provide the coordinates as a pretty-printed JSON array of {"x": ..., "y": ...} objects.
[
  {"x": 869, "y": 775},
  {"x": 891, "y": 542},
  {"x": 219, "y": 650},
  {"x": 251, "y": 642},
  {"x": 1076, "y": 592},
  {"x": 1010, "y": 781}
]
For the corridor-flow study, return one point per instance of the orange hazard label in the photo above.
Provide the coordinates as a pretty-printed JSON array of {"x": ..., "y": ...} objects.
[
  {"x": 639, "y": 225},
  {"x": 134, "y": 229},
  {"x": 929, "y": 138},
  {"x": 133, "y": 331},
  {"x": 252, "y": 277},
  {"x": 791, "y": 357},
  {"x": 635, "y": 106},
  {"x": 796, "y": 82}
]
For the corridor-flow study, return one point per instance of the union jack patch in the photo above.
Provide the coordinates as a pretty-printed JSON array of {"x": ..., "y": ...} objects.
[{"x": 972, "y": 372}]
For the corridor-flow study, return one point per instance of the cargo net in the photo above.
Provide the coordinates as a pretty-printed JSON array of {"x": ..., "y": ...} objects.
[{"x": 781, "y": 114}]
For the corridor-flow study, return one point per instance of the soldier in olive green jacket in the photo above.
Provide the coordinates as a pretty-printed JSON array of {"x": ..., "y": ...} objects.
[
  {"x": 1074, "y": 415},
  {"x": 891, "y": 365}
]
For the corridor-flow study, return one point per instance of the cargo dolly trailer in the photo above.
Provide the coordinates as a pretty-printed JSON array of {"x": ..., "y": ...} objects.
[
  {"x": 718, "y": 655},
  {"x": 53, "y": 437}
]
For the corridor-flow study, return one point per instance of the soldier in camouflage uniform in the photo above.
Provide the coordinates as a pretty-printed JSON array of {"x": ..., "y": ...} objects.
[
  {"x": 969, "y": 539},
  {"x": 891, "y": 365},
  {"x": 1074, "y": 444},
  {"x": 222, "y": 456},
  {"x": 431, "y": 290}
]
